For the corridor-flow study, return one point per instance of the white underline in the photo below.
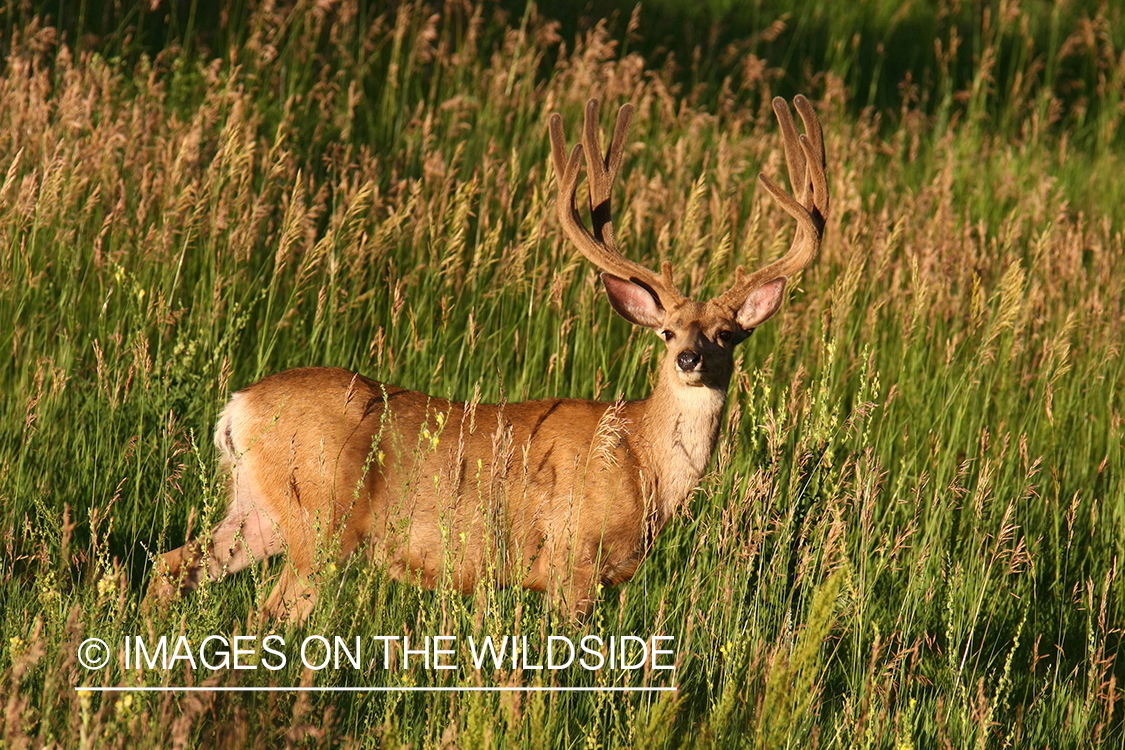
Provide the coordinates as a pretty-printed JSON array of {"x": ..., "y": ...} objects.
[{"x": 469, "y": 689}]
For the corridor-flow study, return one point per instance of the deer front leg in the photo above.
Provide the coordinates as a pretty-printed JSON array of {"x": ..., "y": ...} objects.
[{"x": 574, "y": 589}]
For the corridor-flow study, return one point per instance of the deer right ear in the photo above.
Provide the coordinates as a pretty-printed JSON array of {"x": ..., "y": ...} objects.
[{"x": 633, "y": 302}]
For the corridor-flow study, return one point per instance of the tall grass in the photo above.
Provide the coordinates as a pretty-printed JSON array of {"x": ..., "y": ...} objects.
[{"x": 909, "y": 536}]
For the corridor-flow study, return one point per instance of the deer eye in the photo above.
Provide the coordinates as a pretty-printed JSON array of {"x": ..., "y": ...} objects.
[
  {"x": 725, "y": 335},
  {"x": 668, "y": 335}
]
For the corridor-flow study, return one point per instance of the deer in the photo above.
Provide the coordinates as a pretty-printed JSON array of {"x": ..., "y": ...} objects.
[{"x": 560, "y": 495}]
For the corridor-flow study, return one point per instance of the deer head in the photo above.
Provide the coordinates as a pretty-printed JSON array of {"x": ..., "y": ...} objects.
[{"x": 700, "y": 336}]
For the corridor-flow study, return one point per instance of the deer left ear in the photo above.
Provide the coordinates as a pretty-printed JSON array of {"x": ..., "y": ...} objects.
[{"x": 761, "y": 304}]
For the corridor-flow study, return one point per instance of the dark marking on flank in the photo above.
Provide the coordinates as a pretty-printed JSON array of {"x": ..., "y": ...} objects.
[
  {"x": 543, "y": 418},
  {"x": 377, "y": 402},
  {"x": 545, "y": 463},
  {"x": 462, "y": 472},
  {"x": 294, "y": 492}
]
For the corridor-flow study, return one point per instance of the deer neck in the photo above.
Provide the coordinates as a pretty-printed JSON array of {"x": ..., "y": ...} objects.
[{"x": 678, "y": 427}]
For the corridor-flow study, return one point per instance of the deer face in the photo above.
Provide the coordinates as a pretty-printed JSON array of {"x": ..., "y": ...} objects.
[{"x": 700, "y": 336}]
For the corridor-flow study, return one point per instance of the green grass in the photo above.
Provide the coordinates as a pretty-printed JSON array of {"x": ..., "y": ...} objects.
[{"x": 910, "y": 534}]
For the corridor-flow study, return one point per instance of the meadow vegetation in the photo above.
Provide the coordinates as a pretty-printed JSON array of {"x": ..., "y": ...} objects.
[{"x": 912, "y": 532}]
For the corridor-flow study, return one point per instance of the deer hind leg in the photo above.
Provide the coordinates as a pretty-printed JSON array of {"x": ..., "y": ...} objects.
[
  {"x": 316, "y": 532},
  {"x": 294, "y": 596},
  {"x": 249, "y": 532}
]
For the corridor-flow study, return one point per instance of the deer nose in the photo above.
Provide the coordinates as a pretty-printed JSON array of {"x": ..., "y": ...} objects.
[{"x": 688, "y": 360}]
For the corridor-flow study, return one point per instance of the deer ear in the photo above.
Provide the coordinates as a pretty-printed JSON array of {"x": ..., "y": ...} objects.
[
  {"x": 761, "y": 304},
  {"x": 633, "y": 302}
]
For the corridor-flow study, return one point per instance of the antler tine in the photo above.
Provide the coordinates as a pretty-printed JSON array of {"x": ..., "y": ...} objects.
[
  {"x": 602, "y": 172},
  {"x": 601, "y": 247},
  {"x": 804, "y": 157},
  {"x": 791, "y": 142},
  {"x": 814, "y": 154}
]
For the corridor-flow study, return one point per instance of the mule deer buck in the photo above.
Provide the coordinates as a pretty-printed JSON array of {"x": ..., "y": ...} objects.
[{"x": 556, "y": 495}]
